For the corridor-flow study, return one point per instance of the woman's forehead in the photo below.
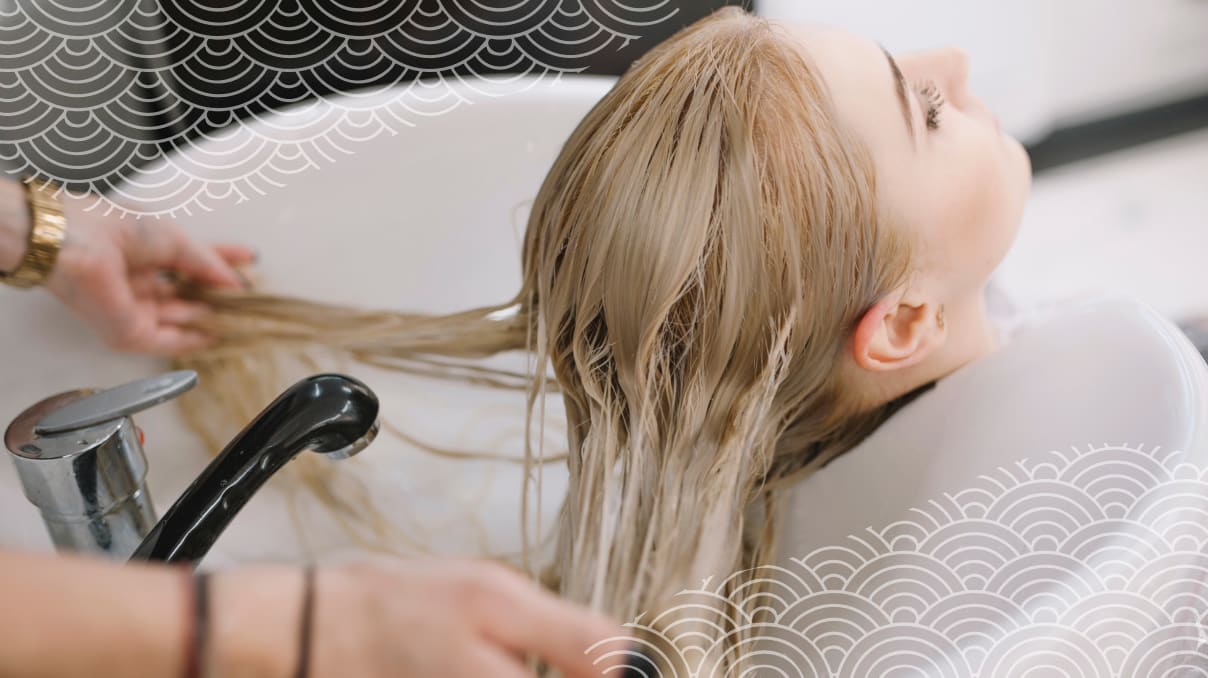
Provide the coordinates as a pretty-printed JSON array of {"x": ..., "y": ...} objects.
[{"x": 860, "y": 82}]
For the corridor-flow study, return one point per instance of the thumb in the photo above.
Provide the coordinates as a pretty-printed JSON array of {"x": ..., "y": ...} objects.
[
  {"x": 205, "y": 265},
  {"x": 166, "y": 245}
]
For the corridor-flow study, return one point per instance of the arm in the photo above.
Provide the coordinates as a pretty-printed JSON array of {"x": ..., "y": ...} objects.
[
  {"x": 109, "y": 270},
  {"x": 67, "y": 616},
  {"x": 14, "y": 224}
]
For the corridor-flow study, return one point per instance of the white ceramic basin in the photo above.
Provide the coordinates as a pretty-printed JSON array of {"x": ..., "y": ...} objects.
[
  {"x": 1102, "y": 372},
  {"x": 424, "y": 208},
  {"x": 1039, "y": 512}
]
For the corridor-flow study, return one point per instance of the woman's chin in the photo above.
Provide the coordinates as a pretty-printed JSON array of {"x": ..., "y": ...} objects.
[{"x": 1025, "y": 161}]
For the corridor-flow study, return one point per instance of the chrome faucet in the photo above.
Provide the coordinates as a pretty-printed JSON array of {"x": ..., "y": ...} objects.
[{"x": 80, "y": 459}]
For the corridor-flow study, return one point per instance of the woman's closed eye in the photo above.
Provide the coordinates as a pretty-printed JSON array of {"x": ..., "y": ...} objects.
[{"x": 934, "y": 103}]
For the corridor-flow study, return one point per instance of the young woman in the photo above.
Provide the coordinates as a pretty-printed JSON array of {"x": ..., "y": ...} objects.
[{"x": 761, "y": 242}]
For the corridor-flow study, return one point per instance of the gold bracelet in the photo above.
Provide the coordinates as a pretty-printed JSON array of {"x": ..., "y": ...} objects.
[{"x": 47, "y": 228}]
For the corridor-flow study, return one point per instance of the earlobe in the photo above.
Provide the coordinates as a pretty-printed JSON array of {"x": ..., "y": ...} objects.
[
  {"x": 896, "y": 333},
  {"x": 868, "y": 334}
]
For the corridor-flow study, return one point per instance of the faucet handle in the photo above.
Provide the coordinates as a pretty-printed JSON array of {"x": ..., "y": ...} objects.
[{"x": 117, "y": 402}]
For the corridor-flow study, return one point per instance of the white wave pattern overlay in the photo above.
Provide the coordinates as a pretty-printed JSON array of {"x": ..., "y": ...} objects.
[
  {"x": 1085, "y": 563},
  {"x": 69, "y": 69}
]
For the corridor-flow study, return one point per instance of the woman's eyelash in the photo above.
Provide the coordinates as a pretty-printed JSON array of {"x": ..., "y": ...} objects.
[{"x": 935, "y": 103}]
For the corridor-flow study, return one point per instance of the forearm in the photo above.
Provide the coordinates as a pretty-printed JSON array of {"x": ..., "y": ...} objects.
[
  {"x": 68, "y": 616},
  {"x": 14, "y": 224},
  {"x": 71, "y": 616}
]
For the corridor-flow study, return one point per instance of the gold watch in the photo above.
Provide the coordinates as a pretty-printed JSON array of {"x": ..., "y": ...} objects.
[{"x": 47, "y": 228}]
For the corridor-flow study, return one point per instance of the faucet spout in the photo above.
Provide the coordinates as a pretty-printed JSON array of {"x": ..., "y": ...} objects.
[{"x": 330, "y": 414}]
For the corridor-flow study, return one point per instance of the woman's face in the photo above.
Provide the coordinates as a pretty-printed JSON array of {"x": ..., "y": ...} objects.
[{"x": 945, "y": 170}]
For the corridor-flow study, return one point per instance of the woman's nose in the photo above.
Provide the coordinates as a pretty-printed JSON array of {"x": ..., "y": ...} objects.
[
  {"x": 947, "y": 66},
  {"x": 957, "y": 69}
]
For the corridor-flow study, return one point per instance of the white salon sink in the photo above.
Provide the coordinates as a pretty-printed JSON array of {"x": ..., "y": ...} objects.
[
  {"x": 1040, "y": 509},
  {"x": 430, "y": 218},
  {"x": 347, "y": 203}
]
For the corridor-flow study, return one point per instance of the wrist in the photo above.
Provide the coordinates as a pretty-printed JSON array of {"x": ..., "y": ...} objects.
[
  {"x": 253, "y": 621},
  {"x": 45, "y": 232},
  {"x": 341, "y": 605},
  {"x": 14, "y": 224}
]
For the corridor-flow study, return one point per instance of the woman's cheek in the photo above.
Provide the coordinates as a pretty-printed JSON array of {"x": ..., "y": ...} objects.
[{"x": 974, "y": 178}]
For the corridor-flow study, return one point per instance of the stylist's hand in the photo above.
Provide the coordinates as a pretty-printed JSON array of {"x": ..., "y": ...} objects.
[
  {"x": 110, "y": 271},
  {"x": 452, "y": 618}
]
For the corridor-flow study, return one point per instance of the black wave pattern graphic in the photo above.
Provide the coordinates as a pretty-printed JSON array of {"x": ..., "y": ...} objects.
[
  {"x": 1087, "y": 563},
  {"x": 85, "y": 87}
]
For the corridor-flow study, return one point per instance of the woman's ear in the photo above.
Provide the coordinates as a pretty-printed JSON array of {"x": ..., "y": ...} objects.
[{"x": 898, "y": 332}]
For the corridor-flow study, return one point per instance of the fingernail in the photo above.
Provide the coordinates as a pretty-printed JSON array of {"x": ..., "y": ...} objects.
[{"x": 638, "y": 665}]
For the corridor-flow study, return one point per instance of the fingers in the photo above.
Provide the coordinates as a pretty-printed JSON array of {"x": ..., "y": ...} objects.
[
  {"x": 171, "y": 340},
  {"x": 485, "y": 660},
  {"x": 148, "y": 317},
  {"x": 465, "y": 617},
  {"x": 205, "y": 264},
  {"x": 178, "y": 312},
  {"x": 160, "y": 335},
  {"x": 236, "y": 255},
  {"x": 111, "y": 273},
  {"x": 170, "y": 333},
  {"x": 152, "y": 285},
  {"x": 163, "y": 244},
  {"x": 523, "y": 617},
  {"x": 147, "y": 325},
  {"x": 240, "y": 258}
]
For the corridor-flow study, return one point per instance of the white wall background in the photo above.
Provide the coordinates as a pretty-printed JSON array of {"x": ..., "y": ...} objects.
[{"x": 1040, "y": 64}]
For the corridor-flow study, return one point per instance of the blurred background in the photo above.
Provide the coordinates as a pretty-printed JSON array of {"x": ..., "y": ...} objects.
[{"x": 1110, "y": 98}]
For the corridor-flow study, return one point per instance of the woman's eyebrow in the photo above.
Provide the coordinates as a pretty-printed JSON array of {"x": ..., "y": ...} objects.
[{"x": 900, "y": 85}]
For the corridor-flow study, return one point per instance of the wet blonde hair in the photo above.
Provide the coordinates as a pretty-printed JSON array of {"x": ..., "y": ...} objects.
[{"x": 694, "y": 265}]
